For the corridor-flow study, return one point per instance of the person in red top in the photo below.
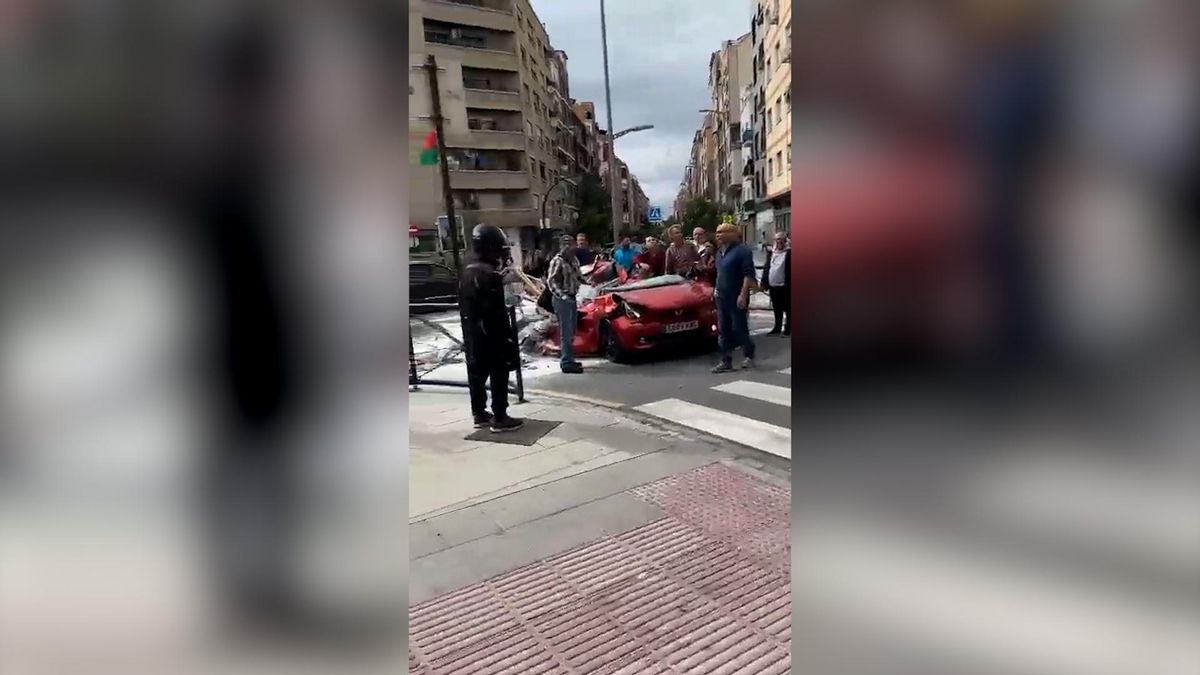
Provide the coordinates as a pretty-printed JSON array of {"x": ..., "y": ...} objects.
[{"x": 652, "y": 261}]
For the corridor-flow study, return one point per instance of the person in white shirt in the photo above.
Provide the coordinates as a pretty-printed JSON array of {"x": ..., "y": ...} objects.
[{"x": 777, "y": 279}]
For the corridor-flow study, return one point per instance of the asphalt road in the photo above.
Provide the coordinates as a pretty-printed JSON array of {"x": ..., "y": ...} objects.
[{"x": 750, "y": 407}]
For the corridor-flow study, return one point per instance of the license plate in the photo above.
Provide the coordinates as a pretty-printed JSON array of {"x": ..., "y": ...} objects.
[{"x": 681, "y": 327}]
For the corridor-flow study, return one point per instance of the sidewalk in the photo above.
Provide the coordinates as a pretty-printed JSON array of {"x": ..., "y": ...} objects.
[{"x": 612, "y": 545}]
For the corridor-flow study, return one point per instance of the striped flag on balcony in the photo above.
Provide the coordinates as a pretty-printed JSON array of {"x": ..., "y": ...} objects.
[{"x": 429, "y": 151}]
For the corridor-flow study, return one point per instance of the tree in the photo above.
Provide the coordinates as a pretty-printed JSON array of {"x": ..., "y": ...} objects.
[
  {"x": 700, "y": 212},
  {"x": 595, "y": 212}
]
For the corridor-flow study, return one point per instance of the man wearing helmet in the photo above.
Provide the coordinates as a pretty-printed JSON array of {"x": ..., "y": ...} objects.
[{"x": 488, "y": 340}]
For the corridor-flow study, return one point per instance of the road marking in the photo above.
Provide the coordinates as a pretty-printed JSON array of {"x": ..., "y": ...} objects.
[
  {"x": 743, "y": 430},
  {"x": 758, "y": 391},
  {"x": 786, "y": 371}
]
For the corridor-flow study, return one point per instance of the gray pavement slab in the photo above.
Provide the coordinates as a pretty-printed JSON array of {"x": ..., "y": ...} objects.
[
  {"x": 512, "y": 510},
  {"x": 483, "y": 558}
]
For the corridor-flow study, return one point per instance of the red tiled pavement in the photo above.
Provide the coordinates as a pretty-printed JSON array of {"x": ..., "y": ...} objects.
[{"x": 704, "y": 590}]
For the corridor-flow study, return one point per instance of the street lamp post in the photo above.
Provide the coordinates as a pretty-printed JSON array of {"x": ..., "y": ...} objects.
[
  {"x": 550, "y": 189},
  {"x": 612, "y": 138}
]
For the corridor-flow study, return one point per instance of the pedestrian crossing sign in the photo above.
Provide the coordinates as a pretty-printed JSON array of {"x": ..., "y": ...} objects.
[{"x": 655, "y": 215}]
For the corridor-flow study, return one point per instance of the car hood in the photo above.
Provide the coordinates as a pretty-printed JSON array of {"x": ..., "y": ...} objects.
[{"x": 667, "y": 297}]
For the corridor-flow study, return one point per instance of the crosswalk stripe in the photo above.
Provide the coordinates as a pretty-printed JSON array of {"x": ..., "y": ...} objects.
[
  {"x": 744, "y": 430},
  {"x": 786, "y": 371},
  {"x": 758, "y": 391}
]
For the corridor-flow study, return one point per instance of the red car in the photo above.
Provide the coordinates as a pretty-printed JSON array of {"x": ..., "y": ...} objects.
[{"x": 629, "y": 318}]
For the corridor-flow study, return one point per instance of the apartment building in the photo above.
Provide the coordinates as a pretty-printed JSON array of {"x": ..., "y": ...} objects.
[
  {"x": 694, "y": 168},
  {"x": 498, "y": 95},
  {"x": 707, "y": 180},
  {"x": 771, "y": 36},
  {"x": 586, "y": 151},
  {"x": 748, "y": 206},
  {"x": 730, "y": 71},
  {"x": 631, "y": 200}
]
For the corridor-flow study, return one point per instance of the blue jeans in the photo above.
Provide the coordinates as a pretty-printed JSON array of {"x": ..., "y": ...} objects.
[
  {"x": 733, "y": 326},
  {"x": 568, "y": 316}
]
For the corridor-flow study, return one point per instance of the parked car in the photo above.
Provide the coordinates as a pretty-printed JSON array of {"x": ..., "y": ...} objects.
[
  {"x": 431, "y": 282},
  {"x": 634, "y": 318}
]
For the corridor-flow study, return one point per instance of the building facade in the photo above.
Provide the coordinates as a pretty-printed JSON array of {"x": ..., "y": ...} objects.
[
  {"x": 772, "y": 38},
  {"x": 730, "y": 70},
  {"x": 498, "y": 86}
]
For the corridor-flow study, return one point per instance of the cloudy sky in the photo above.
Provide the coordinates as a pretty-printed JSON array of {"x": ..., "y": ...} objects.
[{"x": 658, "y": 54}]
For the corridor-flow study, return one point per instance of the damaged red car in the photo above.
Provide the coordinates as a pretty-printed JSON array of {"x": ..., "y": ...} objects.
[{"x": 631, "y": 318}]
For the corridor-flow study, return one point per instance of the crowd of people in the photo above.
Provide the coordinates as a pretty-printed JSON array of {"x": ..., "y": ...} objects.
[{"x": 725, "y": 262}]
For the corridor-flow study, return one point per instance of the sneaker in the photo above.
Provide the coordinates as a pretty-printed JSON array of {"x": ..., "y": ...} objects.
[
  {"x": 773, "y": 331},
  {"x": 748, "y": 363},
  {"x": 483, "y": 420},
  {"x": 506, "y": 423},
  {"x": 723, "y": 368},
  {"x": 572, "y": 368}
]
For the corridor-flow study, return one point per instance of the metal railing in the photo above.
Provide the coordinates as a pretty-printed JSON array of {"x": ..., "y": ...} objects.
[{"x": 416, "y": 379}]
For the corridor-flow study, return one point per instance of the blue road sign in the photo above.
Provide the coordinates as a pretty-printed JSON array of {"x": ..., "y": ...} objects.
[{"x": 656, "y": 214}]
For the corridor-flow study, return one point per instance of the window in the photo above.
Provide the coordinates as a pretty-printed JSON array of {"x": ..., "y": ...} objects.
[
  {"x": 779, "y": 164},
  {"x": 789, "y": 153},
  {"x": 778, "y": 110},
  {"x": 770, "y": 167}
]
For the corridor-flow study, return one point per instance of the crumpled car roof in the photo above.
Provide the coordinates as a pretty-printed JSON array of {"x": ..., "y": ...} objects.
[{"x": 654, "y": 282}]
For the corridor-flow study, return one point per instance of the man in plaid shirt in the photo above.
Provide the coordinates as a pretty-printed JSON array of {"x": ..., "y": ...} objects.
[{"x": 564, "y": 279}]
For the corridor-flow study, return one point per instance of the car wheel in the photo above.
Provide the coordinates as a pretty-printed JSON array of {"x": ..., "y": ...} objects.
[{"x": 609, "y": 345}]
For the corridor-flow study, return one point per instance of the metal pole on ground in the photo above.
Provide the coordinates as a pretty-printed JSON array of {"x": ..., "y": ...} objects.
[{"x": 512, "y": 317}]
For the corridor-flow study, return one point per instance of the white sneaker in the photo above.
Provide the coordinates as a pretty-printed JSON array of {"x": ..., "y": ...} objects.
[{"x": 748, "y": 363}]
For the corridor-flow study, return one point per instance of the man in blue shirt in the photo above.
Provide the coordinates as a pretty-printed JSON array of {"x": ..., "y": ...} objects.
[
  {"x": 624, "y": 254},
  {"x": 735, "y": 280}
]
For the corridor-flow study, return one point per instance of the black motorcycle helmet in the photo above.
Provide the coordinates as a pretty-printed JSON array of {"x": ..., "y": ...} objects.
[{"x": 488, "y": 242}]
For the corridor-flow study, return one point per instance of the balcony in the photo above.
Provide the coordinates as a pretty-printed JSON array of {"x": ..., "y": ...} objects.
[
  {"x": 491, "y": 99},
  {"x": 474, "y": 47},
  {"x": 471, "y": 179},
  {"x": 522, "y": 217},
  {"x": 487, "y": 140},
  {"x": 477, "y": 13}
]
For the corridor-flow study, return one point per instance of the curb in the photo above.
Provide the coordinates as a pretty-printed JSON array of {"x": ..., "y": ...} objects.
[{"x": 574, "y": 398}]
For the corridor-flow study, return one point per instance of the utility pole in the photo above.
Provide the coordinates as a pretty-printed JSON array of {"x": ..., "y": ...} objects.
[
  {"x": 439, "y": 126},
  {"x": 613, "y": 185}
]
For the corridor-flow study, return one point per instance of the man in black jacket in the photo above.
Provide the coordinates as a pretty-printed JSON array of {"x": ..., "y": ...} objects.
[
  {"x": 488, "y": 340},
  {"x": 777, "y": 279}
]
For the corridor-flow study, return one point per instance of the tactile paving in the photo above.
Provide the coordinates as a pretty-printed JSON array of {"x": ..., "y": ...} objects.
[{"x": 704, "y": 590}]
